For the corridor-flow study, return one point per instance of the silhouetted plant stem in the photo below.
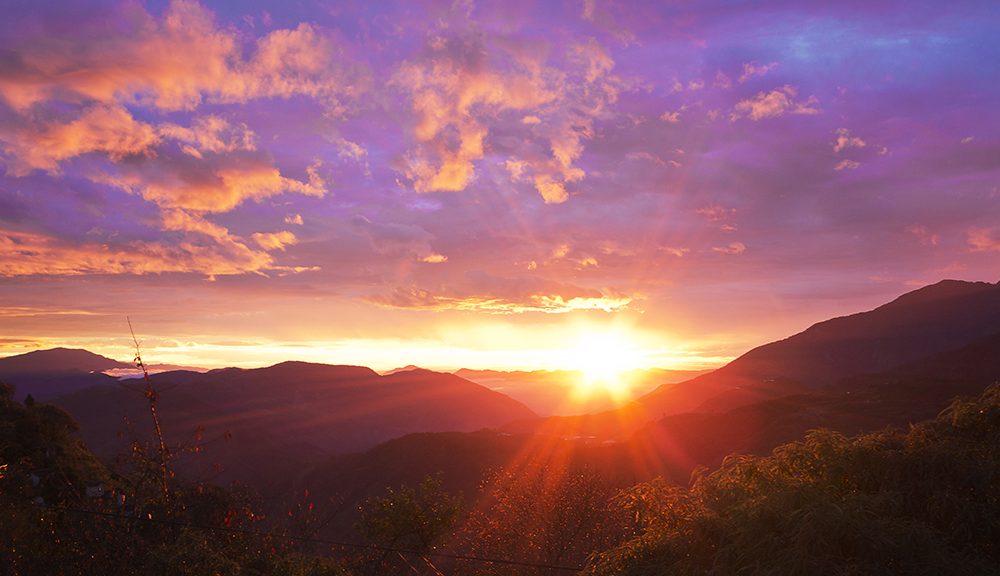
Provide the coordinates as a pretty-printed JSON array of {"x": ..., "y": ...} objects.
[{"x": 152, "y": 396}]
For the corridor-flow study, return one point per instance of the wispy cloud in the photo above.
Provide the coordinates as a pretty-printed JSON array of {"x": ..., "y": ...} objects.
[{"x": 777, "y": 102}]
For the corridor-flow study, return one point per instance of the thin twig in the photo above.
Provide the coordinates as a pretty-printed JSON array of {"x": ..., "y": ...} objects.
[{"x": 152, "y": 396}]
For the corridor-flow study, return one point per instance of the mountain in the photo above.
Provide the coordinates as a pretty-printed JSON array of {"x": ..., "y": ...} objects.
[
  {"x": 59, "y": 360},
  {"x": 909, "y": 393},
  {"x": 554, "y": 392},
  {"x": 406, "y": 368},
  {"x": 48, "y": 373},
  {"x": 671, "y": 447},
  {"x": 936, "y": 319},
  {"x": 260, "y": 423}
]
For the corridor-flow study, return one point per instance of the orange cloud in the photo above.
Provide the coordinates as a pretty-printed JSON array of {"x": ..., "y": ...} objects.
[
  {"x": 108, "y": 129},
  {"x": 845, "y": 140},
  {"x": 415, "y": 298},
  {"x": 178, "y": 62},
  {"x": 23, "y": 254},
  {"x": 774, "y": 103},
  {"x": 493, "y": 294},
  {"x": 552, "y": 192},
  {"x": 209, "y": 134},
  {"x": 461, "y": 90},
  {"x": 452, "y": 99},
  {"x": 434, "y": 258},
  {"x": 274, "y": 240},
  {"x": 212, "y": 184},
  {"x": 984, "y": 239}
]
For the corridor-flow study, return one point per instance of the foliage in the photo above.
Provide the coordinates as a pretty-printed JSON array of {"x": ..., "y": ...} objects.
[
  {"x": 63, "y": 512},
  {"x": 922, "y": 502},
  {"x": 542, "y": 515},
  {"x": 408, "y": 518}
]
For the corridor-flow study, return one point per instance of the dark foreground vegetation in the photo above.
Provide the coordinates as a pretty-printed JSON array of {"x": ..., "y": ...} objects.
[{"x": 921, "y": 501}]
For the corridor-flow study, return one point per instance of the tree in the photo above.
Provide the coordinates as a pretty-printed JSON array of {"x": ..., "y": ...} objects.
[{"x": 409, "y": 518}]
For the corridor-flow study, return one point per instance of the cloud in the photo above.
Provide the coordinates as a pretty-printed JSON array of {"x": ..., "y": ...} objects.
[
  {"x": 984, "y": 239},
  {"x": 460, "y": 91},
  {"x": 175, "y": 63},
  {"x": 33, "y": 312},
  {"x": 274, "y": 240},
  {"x": 715, "y": 213},
  {"x": 294, "y": 219},
  {"x": 552, "y": 191},
  {"x": 734, "y": 248},
  {"x": 107, "y": 129},
  {"x": 213, "y": 183},
  {"x": 23, "y": 254},
  {"x": 593, "y": 58},
  {"x": 847, "y": 165},
  {"x": 675, "y": 251},
  {"x": 434, "y": 259},
  {"x": 925, "y": 236},
  {"x": 396, "y": 239},
  {"x": 209, "y": 134},
  {"x": 722, "y": 81},
  {"x": 845, "y": 140},
  {"x": 492, "y": 303},
  {"x": 453, "y": 93},
  {"x": 773, "y": 104},
  {"x": 751, "y": 69},
  {"x": 671, "y": 117}
]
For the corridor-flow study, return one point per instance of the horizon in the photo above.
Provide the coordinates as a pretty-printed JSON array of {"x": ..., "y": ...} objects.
[{"x": 462, "y": 185}]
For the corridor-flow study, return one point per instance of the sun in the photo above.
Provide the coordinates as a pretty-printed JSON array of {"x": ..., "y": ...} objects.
[{"x": 604, "y": 359}]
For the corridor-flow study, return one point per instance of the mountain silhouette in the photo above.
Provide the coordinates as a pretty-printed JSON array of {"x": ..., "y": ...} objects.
[
  {"x": 898, "y": 363},
  {"x": 674, "y": 445},
  {"x": 910, "y": 393},
  {"x": 48, "y": 373},
  {"x": 936, "y": 319},
  {"x": 283, "y": 416},
  {"x": 58, "y": 360}
]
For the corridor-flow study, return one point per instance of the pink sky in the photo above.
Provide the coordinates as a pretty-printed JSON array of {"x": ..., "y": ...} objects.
[{"x": 483, "y": 184}]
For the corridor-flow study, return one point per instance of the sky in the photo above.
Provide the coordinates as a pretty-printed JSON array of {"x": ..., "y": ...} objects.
[{"x": 485, "y": 184}]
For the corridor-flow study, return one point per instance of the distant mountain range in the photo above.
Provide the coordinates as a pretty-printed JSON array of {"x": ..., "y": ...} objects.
[
  {"x": 898, "y": 363},
  {"x": 275, "y": 418}
]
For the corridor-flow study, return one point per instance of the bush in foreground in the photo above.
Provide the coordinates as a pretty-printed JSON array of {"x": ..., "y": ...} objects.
[{"x": 926, "y": 501}]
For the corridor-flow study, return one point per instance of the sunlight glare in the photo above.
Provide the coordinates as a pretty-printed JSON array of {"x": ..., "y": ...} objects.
[{"x": 604, "y": 359}]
